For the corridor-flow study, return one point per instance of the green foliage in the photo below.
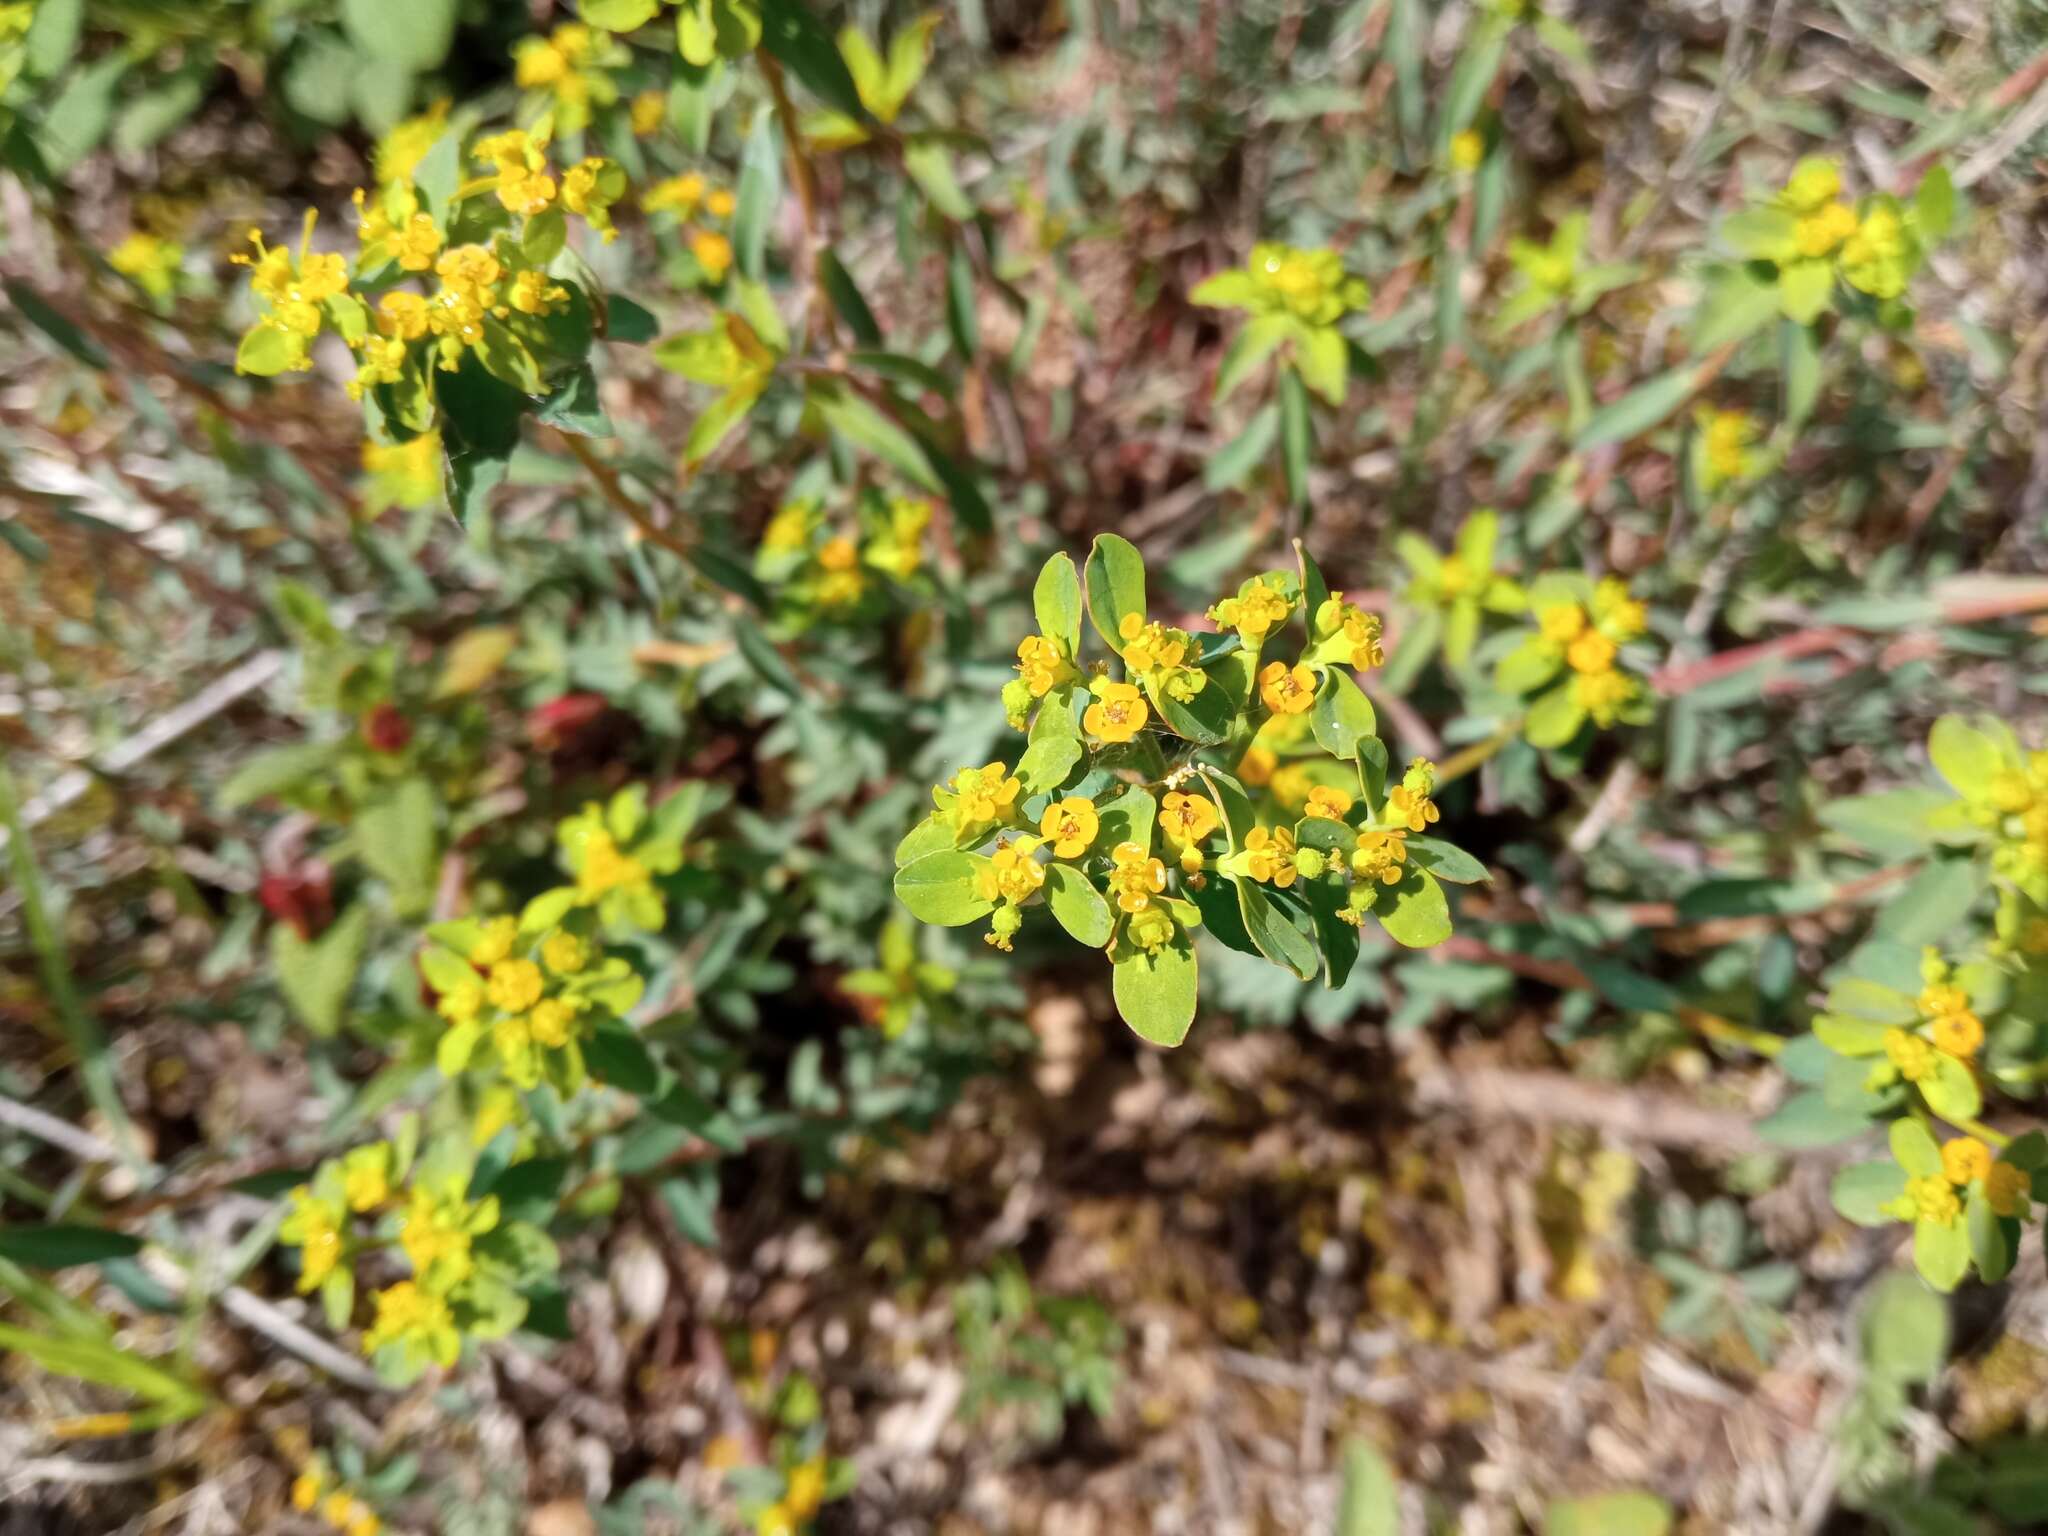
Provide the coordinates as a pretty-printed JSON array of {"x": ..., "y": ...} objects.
[{"x": 1032, "y": 1358}]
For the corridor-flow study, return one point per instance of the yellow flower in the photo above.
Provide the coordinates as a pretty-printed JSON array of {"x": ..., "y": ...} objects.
[
  {"x": 1934, "y": 1199},
  {"x": 400, "y": 151},
  {"x": 1913, "y": 1056},
  {"x": 713, "y": 252},
  {"x": 470, "y": 271},
  {"x": 1186, "y": 819},
  {"x": 720, "y": 204},
  {"x": 985, "y": 795},
  {"x": 523, "y": 191},
  {"x": 789, "y": 529},
  {"x": 1727, "y": 436},
  {"x": 552, "y": 1022},
  {"x": 366, "y": 1176},
  {"x": 1363, "y": 631},
  {"x": 1380, "y": 855},
  {"x": 806, "y": 1491},
  {"x": 338, "y": 1509},
  {"x": 151, "y": 263},
  {"x": 1150, "y": 647},
  {"x": 461, "y": 1004},
  {"x": 1467, "y": 150},
  {"x": 1603, "y": 695},
  {"x": 1011, "y": 874},
  {"x": 1964, "y": 1159},
  {"x": 514, "y": 985},
  {"x": 1151, "y": 930},
  {"x": 1070, "y": 826},
  {"x": 679, "y": 195},
  {"x": 402, "y": 316},
  {"x": 1561, "y": 623},
  {"x": 1255, "y": 614},
  {"x": 1118, "y": 713},
  {"x": 1958, "y": 1034},
  {"x": 589, "y": 188},
  {"x": 605, "y": 868},
  {"x": 1815, "y": 183},
  {"x": 2006, "y": 1189},
  {"x": 1041, "y": 665},
  {"x": 1256, "y": 767},
  {"x": 365, "y": 1523},
  {"x": 415, "y": 1318},
  {"x": 1328, "y": 804},
  {"x": 417, "y": 244},
  {"x": 775, "y": 1520},
  {"x": 1618, "y": 614},
  {"x": 322, "y": 275},
  {"x": 1942, "y": 997},
  {"x": 1875, "y": 258},
  {"x": 314, "y": 1224},
  {"x": 1136, "y": 877},
  {"x": 1412, "y": 810},
  {"x": 1272, "y": 855},
  {"x": 564, "y": 953},
  {"x": 1591, "y": 652},
  {"x": 306, "y": 1489},
  {"x": 498, "y": 1107},
  {"x": 646, "y": 112},
  {"x": 1823, "y": 231},
  {"x": 533, "y": 294},
  {"x": 1287, "y": 690}
]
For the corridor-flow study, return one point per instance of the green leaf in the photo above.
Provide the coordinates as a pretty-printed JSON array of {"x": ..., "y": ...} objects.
[
  {"x": 1296, "y": 437},
  {"x": 1274, "y": 931},
  {"x": 274, "y": 770},
  {"x": 33, "y": 308},
  {"x": 760, "y": 193},
  {"x": 1472, "y": 76},
  {"x": 1914, "y": 1149},
  {"x": 625, "y": 321},
  {"x": 412, "y": 35},
  {"x": 77, "y": 120},
  {"x": 1079, "y": 907},
  {"x": 1368, "y": 1500},
  {"x": 1904, "y": 1330},
  {"x": 395, "y": 838},
  {"x": 1155, "y": 994},
  {"x": 943, "y": 888},
  {"x": 1934, "y": 204},
  {"x": 1608, "y": 1514},
  {"x": 1989, "y": 1248},
  {"x": 1887, "y": 819},
  {"x": 1414, "y": 913},
  {"x": 867, "y": 428},
  {"x": 1737, "y": 304},
  {"x": 1261, "y": 336},
  {"x": 1935, "y": 901},
  {"x": 575, "y": 407},
  {"x": 618, "y": 1056},
  {"x": 265, "y": 352},
  {"x": 1128, "y": 818},
  {"x": 1645, "y": 406},
  {"x": 618, "y": 15},
  {"x": 1952, "y": 1092},
  {"x": 1850, "y": 1037},
  {"x": 791, "y": 33},
  {"x": 1941, "y": 1253},
  {"x": 1807, "y": 1119},
  {"x": 317, "y": 975},
  {"x": 847, "y": 301},
  {"x": 1804, "y": 288},
  {"x": 1056, "y": 603},
  {"x": 717, "y": 422},
  {"x": 930, "y": 165},
  {"x": 1555, "y": 718},
  {"x": 53, "y": 31},
  {"x": 1342, "y": 715},
  {"x": 1970, "y": 754},
  {"x": 1116, "y": 586},
  {"x": 932, "y": 835},
  {"x": 1446, "y": 861},
  {"x": 1047, "y": 762},
  {"x": 1323, "y": 360},
  {"x": 1861, "y": 1190},
  {"x": 962, "y": 325},
  {"x": 62, "y": 1245}
]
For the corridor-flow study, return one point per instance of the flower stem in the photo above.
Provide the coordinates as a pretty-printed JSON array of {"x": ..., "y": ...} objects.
[{"x": 1465, "y": 759}]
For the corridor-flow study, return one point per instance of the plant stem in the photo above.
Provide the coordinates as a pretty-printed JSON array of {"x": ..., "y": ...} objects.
[
  {"x": 804, "y": 177},
  {"x": 615, "y": 493},
  {"x": 1465, "y": 759},
  {"x": 81, "y": 1029}
]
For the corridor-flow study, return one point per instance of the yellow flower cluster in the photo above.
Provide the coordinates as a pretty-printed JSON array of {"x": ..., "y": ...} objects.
[
  {"x": 686, "y": 196},
  {"x": 978, "y": 799},
  {"x": 485, "y": 294},
  {"x": 829, "y": 572},
  {"x": 1938, "y": 1197},
  {"x": 1309, "y": 285},
  {"x": 315, "y": 1490},
  {"x": 1579, "y": 633},
  {"x": 1873, "y": 251},
  {"x": 151, "y": 262},
  {"x": 571, "y": 66},
  {"x": 531, "y": 995}
]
